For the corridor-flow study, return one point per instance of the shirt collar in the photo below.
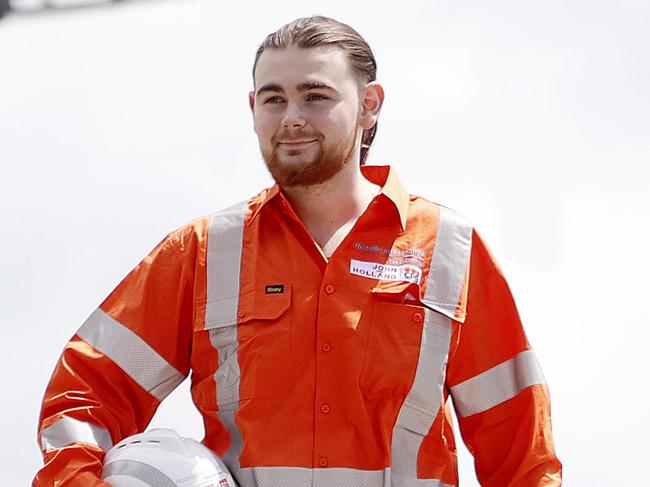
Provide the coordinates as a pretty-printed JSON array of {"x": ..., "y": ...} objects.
[
  {"x": 260, "y": 201},
  {"x": 391, "y": 188},
  {"x": 383, "y": 176}
]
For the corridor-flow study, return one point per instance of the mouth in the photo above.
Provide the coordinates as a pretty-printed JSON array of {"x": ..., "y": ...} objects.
[{"x": 293, "y": 144}]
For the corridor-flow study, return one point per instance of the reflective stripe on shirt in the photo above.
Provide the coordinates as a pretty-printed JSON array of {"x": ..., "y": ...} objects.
[
  {"x": 497, "y": 385},
  {"x": 67, "y": 431},
  {"x": 448, "y": 263},
  {"x": 225, "y": 241},
  {"x": 444, "y": 285},
  {"x": 131, "y": 353},
  {"x": 327, "y": 477}
]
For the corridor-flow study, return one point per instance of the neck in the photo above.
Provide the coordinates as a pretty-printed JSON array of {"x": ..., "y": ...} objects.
[{"x": 329, "y": 210}]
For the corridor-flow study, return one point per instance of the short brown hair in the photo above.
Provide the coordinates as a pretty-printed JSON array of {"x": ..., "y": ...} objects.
[{"x": 319, "y": 31}]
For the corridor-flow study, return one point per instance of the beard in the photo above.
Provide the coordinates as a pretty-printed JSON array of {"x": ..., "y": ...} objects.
[{"x": 310, "y": 167}]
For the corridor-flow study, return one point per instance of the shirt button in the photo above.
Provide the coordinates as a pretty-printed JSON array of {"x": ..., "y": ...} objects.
[
  {"x": 241, "y": 313},
  {"x": 325, "y": 408},
  {"x": 326, "y": 347},
  {"x": 323, "y": 462},
  {"x": 329, "y": 289},
  {"x": 417, "y": 317}
]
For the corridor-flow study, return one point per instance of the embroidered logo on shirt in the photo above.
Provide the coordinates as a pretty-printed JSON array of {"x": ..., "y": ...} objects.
[
  {"x": 385, "y": 272},
  {"x": 396, "y": 257},
  {"x": 274, "y": 289}
]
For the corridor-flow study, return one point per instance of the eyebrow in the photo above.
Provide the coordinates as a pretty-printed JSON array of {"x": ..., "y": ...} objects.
[{"x": 308, "y": 85}]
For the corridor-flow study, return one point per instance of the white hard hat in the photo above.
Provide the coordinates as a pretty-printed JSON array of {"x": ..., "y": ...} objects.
[{"x": 162, "y": 458}]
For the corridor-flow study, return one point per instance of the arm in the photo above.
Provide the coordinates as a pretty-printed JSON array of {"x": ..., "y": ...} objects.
[
  {"x": 127, "y": 357},
  {"x": 498, "y": 390}
]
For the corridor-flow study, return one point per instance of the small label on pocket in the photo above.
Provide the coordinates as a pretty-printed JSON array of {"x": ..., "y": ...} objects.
[{"x": 274, "y": 289}]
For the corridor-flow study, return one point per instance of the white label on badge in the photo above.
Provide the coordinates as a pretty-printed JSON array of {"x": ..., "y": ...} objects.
[{"x": 385, "y": 272}]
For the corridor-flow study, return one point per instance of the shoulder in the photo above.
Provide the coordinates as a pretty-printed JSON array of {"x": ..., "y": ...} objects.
[
  {"x": 453, "y": 225},
  {"x": 191, "y": 232},
  {"x": 451, "y": 228},
  {"x": 442, "y": 216},
  {"x": 196, "y": 231}
]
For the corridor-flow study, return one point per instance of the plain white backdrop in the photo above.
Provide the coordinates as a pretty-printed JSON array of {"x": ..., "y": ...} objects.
[{"x": 119, "y": 124}]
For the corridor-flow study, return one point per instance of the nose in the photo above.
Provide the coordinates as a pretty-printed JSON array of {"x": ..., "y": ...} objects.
[{"x": 293, "y": 117}]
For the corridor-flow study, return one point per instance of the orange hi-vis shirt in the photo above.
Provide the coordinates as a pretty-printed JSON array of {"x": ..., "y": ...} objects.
[{"x": 308, "y": 370}]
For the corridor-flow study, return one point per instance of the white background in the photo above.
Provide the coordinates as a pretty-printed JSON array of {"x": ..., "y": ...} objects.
[{"x": 118, "y": 124}]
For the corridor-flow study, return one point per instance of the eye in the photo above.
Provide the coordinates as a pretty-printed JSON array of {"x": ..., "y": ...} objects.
[
  {"x": 274, "y": 100},
  {"x": 316, "y": 97}
]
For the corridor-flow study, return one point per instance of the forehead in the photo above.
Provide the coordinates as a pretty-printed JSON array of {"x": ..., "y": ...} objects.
[{"x": 293, "y": 65}]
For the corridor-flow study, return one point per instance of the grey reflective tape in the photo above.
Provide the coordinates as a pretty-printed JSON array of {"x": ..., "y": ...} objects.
[
  {"x": 411, "y": 482},
  {"x": 227, "y": 386},
  {"x": 326, "y": 477},
  {"x": 67, "y": 431},
  {"x": 225, "y": 236},
  {"x": 131, "y": 353},
  {"x": 136, "y": 470},
  {"x": 225, "y": 242},
  {"x": 443, "y": 289},
  {"x": 448, "y": 263},
  {"x": 425, "y": 397},
  {"x": 497, "y": 385}
]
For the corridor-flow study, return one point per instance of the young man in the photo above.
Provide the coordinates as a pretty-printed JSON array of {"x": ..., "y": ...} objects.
[{"x": 326, "y": 321}]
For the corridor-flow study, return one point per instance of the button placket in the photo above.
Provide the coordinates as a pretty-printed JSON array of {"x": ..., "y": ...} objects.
[{"x": 326, "y": 330}]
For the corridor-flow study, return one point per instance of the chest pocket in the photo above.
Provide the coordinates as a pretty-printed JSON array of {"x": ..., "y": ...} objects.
[
  {"x": 254, "y": 350},
  {"x": 393, "y": 345}
]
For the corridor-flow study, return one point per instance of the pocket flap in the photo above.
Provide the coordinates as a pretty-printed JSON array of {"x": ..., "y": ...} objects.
[
  {"x": 415, "y": 419},
  {"x": 456, "y": 312},
  {"x": 221, "y": 312},
  {"x": 264, "y": 302},
  {"x": 409, "y": 293},
  {"x": 398, "y": 292},
  {"x": 260, "y": 303}
]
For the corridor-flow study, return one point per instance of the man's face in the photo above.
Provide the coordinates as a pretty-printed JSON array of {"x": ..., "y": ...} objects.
[{"x": 306, "y": 112}]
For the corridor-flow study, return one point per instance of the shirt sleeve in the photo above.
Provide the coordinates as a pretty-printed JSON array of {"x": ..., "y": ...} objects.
[
  {"x": 124, "y": 360},
  {"x": 498, "y": 389}
]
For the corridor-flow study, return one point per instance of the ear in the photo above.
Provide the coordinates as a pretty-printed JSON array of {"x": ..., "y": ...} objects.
[
  {"x": 251, "y": 100},
  {"x": 372, "y": 98}
]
